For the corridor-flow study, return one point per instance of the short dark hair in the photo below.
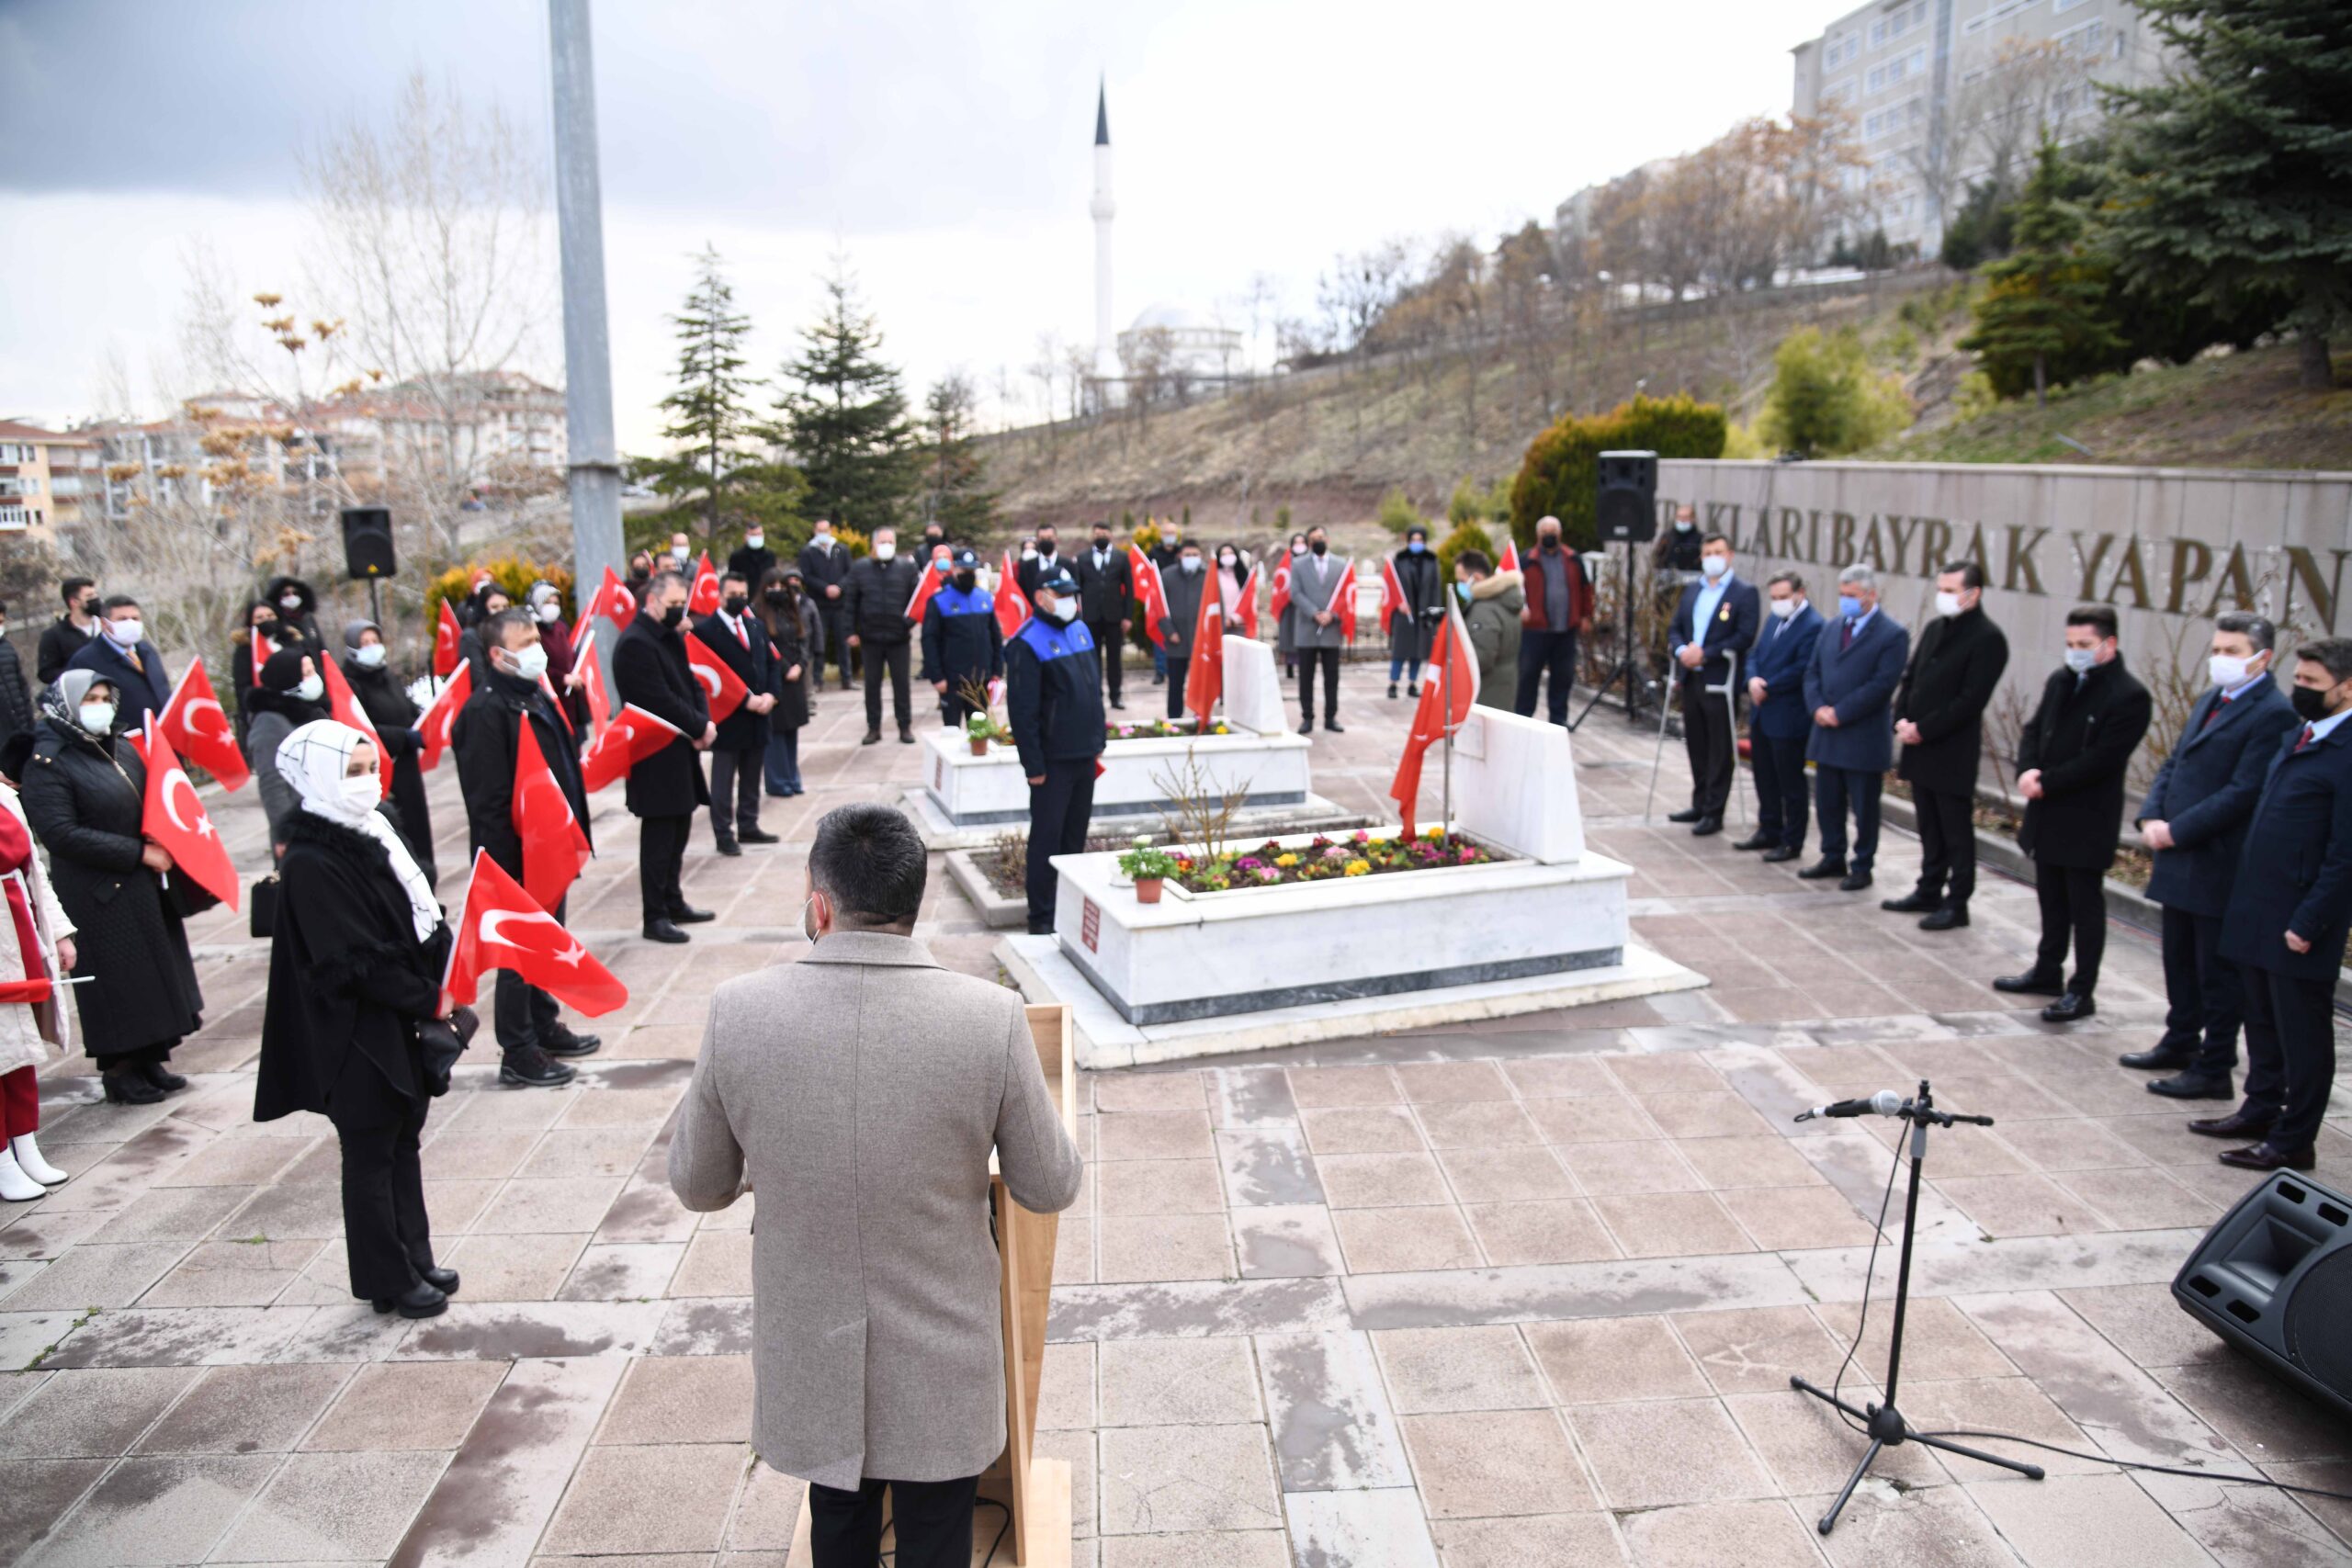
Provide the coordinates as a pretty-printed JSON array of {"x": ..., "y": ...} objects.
[
  {"x": 1043, "y": 528},
  {"x": 1970, "y": 574},
  {"x": 1475, "y": 560},
  {"x": 113, "y": 602},
  {"x": 1418, "y": 530},
  {"x": 2254, "y": 628},
  {"x": 2101, "y": 616},
  {"x": 663, "y": 581},
  {"x": 869, "y": 860},
  {"x": 1714, "y": 539},
  {"x": 1102, "y": 522},
  {"x": 69, "y": 591},
  {"x": 1791, "y": 577},
  {"x": 727, "y": 577},
  {"x": 2332, "y": 654},
  {"x": 494, "y": 629},
  {"x": 1316, "y": 528}
]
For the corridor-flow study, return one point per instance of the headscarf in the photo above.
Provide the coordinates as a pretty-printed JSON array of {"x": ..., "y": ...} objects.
[
  {"x": 539, "y": 594},
  {"x": 351, "y": 630},
  {"x": 61, "y": 703},
  {"x": 312, "y": 760}
]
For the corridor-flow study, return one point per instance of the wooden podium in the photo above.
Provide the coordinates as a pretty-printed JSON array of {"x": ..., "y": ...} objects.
[{"x": 1035, "y": 1492}]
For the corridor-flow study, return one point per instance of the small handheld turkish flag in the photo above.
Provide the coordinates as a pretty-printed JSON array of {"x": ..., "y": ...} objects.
[
  {"x": 200, "y": 731},
  {"x": 1013, "y": 610},
  {"x": 554, "y": 848},
  {"x": 927, "y": 583},
  {"x": 1204, "y": 671},
  {"x": 1343, "y": 603},
  {"x": 174, "y": 818},
  {"x": 1152, "y": 593},
  {"x": 1245, "y": 612},
  {"x": 721, "y": 685},
  {"x": 613, "y": 601},
  {"x": 498, "y": 927},
  {"x": 591, "y": 680},
  {"x": 435, "y": 725},
  {"x": 702, "y": 598},
  {"x": 633, "y": 736},
  {"x": 446, "y": 638},
  {"x": 1509, "y": 561},
  {"x": 1392, "y": 591},
  {"x": 347, "y": 710},
  {"x": 1278, "y": 599},
  {"x": 1449, "y": 688}
]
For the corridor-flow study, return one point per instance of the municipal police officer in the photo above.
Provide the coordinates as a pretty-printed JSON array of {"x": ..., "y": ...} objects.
[
  {"x": 1053, "y": 701},
  {"x": 961, "y": 641}
]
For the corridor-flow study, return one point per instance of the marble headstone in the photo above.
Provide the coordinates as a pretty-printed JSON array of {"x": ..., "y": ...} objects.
[
  {"x": 1515, "y": 785},
  {"x": 1253, "y": 695}
]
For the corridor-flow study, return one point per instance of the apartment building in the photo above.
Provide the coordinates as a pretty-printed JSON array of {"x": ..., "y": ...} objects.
[
  {"x": 44, "y": 475},
  {"x": 1942, "y": 91}
]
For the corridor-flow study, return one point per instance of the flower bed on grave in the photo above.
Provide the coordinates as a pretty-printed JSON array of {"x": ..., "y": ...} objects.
[
  {"x": 1363, "y": 853},
  {"x": 1162, "y": 729}
]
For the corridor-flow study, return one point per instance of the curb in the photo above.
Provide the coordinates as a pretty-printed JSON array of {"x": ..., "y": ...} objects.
[{"x": 997, "y": 911}]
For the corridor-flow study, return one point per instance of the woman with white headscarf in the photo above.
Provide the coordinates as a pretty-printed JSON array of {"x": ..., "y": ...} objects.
[
  {"x": 36, "y": 949},
  {"x": 355, "y": 967}
]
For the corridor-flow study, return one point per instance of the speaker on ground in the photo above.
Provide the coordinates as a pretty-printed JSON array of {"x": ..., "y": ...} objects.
[{"x": 2274, "y": 1278}]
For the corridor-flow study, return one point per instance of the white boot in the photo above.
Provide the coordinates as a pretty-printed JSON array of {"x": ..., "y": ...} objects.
[
  {"x": 15, "y": 1185},
  {"x": 28, "y": 1160}
]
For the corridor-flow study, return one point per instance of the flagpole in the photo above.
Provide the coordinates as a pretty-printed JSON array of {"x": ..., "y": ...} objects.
[{"x": 1445, "y": 719}]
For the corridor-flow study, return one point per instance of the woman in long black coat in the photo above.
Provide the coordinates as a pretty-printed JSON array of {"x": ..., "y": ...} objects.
[
  {"x": 1413, "y": 628},
  {"x": 794, "y": 627},
  {"x": 367, "y": 667},
  {"x": 354, "y": 967},
  {"x": 85, "y": 793}
]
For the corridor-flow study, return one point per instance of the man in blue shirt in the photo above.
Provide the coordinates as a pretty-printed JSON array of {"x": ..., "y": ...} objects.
[{"x": 1714, "y": 627}]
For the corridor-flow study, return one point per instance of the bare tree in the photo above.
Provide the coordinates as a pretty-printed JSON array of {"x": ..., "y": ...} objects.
[{"x": 1999, "y": 118}]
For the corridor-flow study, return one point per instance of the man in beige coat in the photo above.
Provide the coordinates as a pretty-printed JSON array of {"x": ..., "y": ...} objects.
[{"x": 861, "y": 1091}]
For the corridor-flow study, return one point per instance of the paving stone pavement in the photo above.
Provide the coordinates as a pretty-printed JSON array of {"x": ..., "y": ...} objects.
[{"x": 1523, "y": 1293}]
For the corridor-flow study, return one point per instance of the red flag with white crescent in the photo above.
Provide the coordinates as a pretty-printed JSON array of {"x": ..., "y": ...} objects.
[
  {"x": 1451, "y": 681},
  {"x": 1343, "y": 603},
  {"x": 1151, "y": 592},
  {"x": 721, "y": 685},
  {"x": 435, "y": 725},
  {"x": 1509, "y": 561},
  {"x": 633, "y": 736},
  {"x": 1392, "y": 590},
  {"x": 554, "y": 848},
  {"x": 927, "y": 581},
  {"x": 613, "y": 601},
  {"x": 499, "y": 927},
  {"x": 174, "y": 818},
  {"x": 1012, "y": 611},
  {"x": 1278, "y": 599},
  {"x": 199, "y": 730},
  {"x": 446, "y": 636},
  {"x": 702, "y": 598},
  {"x": 1246, "y": 611},
  {"x": 1204, "y": 671},
  {"x": 592, "y": 680},
  {"x": 347, "y": 710}
]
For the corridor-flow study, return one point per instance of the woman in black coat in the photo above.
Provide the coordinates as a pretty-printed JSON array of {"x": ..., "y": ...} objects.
[
  {"x": 296, "y": 606},
  {"x": 85, "y": 793},
  {"x": 354, "y": 967},
  {"x": 1413, "y": 627},
  {"x": 366, "y": 665},
  {"x": 793, "y": 627}
]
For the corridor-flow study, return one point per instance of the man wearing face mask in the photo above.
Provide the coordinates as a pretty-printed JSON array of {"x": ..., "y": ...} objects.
[
  {"x": 1412, "y": 625},
  {"x": 824, "y": 572},
  {"x": 2072, "y": 760},
  {"x": 753, "y": 559},
  {"x": 1939, "y": 722},
  {"x": 880, "y": 588},
  {"x": 486, "y": 737},
  {"x": 1034, "y": 568},
  {"x": 1183, "y": 588},
  {"x": 2289, "y": 913},
  {"x": 1714, "y": 627},
  {"x": 1778, "y": 723},
  {"x": 739, "y": 641},
  {"x": 1559, "y": 609},
  {"x": 1319, "y": 631},
  {"x": 962, "y": 644},
  {"x": 1053, "y": 704},
  {"x": 2194, "y": 824},
  {"x": 71, "y": 632},
  {"x": 125, "y": 659},
  {"x": 1107, "y": 593},
  {"x": 933, "y": 536},
  {"x": 1680, "y": 547},
  {"x": 1850, "y": 687},
  {"x": 650, "y": 669}
]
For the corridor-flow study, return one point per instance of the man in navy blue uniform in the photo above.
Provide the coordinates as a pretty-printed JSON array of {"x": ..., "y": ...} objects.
[
  {"x": 2289, "y": 914},
  {"x": 1778, "y": 722},
  {"x": 737, "y": 639},
  {"x": 2194, "y": 822},
  {"x": 1053, "y": 702},
  {"x": 961, "y": 641},
  {"x": 1714, "y": 624},
  {"x": 1849, "y": 686}
]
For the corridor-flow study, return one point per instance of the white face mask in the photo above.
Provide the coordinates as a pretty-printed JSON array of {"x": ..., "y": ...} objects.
[
  {"x": 2081, "y": 660},
  {"x": 1028, "y": 552},
  {"x": 98, "y": 717},
  {"x": 1228, "y": 560},
  {"x": 1716, "y": 565},
  {"x": 290, "y": 602},
  {"x": 1683, "y": 525},
  {"x": 825, "y": 539},
  {"x": 370, "y": 655},
  {"x": 1298, "y": 549},
  {"x": 126, "y": 634},
  {"x": 1191, "y": 563},
  {"x": 2228, "y": 671},
  {"x": 551, "y": 612},
  {"x": 530, "y": 663},
  {"x": 1784, "y": 608},
  {"x": 1065, "y": 609},
  {"x": 885, "y": 549},
  {"x": 361, "y": 791},
  {"x": 1947, "y": 604},
  {"x": 755, "y": 540},
  {"x": 311, "y": 688}
]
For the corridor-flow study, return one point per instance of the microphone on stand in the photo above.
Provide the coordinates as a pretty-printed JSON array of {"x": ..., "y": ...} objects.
[{"x": 1885, "y": 1102}]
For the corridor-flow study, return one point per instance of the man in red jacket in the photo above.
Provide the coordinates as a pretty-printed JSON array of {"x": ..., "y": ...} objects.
[{"x": 1559, "y": 605}]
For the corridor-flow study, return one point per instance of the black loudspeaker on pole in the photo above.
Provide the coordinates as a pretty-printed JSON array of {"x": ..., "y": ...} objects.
[{"x": 367, "y": 542}]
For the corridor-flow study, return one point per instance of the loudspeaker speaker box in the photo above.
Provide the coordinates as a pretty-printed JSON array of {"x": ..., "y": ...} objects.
[
  {"x": 368, "y": 541},
  {"x": 2274, "y": 1278},
  {"x": 1626, "y": 510}
]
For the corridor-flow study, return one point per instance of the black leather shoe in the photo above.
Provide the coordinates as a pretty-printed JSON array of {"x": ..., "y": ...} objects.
[
  {"x": 441, "y": 1280},
  {"x": 1333, "y": 725},
  {"x": 873, "y": 738},
  {"x": 1757, "y": 841},
  {"x": 2030, "y": 985},
  {"x": 569, "y": 1044},
  {"x": 2194, "y": 1086},
  {"x": 2236, "y": 1124},
  {"x": 533, "y": 1068},
  {"x": 1392, "y": 691},
  {"x": 1694, "y": 815},
  {"x": 1823, "y": 870},
  {"x": 1854, "y": 881},
  {"x": 1952, "y": 917},
  {"x": 1912, "y": 903},
  {"x": 2072, "y": 1008},
  {"x": 662, "y": 930},
  {"x": 2267, "y": 1156},
  {"x": 1785, "y": 852},
  {"x": 1413, "y": 690},
  {"x": 1706, "y": 827},
  {"x": 688, "y": 915},
  {"x": 128, "y": 1085},
  {"x": 906, "y": 735},
  {"x": 2165, "y": 1057},
  {"x": 1306, "y": 727},
  {"x": 1118, "y": 705},
  {"x": 417, "y": 1301},
  {"x": 756, "y": 836},
  {"x": 730, "y": 848},
  {"x": 162, "y": 1076}
]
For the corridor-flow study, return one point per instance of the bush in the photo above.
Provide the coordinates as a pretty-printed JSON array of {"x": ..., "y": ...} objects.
[
  {"x": 1397, "y": 512},
  {"x": 1145, "y": 538},
  {"x": 1465, "y": 536},
  {"x": 1472, "y": 505},
  {"x": 1559, "y": 478},
  {"x": 1739, "y": 441},
  {"x": 1826, "y": 401},
  {"x": 514, "y": 576}
]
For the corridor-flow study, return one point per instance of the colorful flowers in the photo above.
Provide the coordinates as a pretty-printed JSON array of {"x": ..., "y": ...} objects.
[
  {"x": 1357, "y": 868},
  {"x": 1271, "y": 863},
  {"x": 1335, "y": 852},
  {"x": 1286, "y": 859}
]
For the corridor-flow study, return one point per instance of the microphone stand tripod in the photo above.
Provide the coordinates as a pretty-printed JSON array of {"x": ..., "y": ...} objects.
[{"x": 1885, "y": 1425}]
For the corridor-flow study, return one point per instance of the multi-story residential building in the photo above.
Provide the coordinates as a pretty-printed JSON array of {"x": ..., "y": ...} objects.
[
  {"x": 44, "y": 474},
  {"x": 1944, "y": 93}
]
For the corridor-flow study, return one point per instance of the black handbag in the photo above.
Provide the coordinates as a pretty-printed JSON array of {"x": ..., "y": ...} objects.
[
  {"x": 261, "y": 917},
  {"x": 441, "y": 1042}
]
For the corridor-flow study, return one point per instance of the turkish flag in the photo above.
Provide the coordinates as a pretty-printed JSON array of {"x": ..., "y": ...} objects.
[
  {"x": 435, "y": 725},
  {"x": 554, "y": 848},
  {"x": 702, "y": 598},
  {"x": 175, "y": 818},
  {"x": 200, "y": 731},
  {"x": 498, "y": 927},
  {"x": 555, "y": 701},
  {"x": 633, "y": 736},
  {"x": 347, "y": 710},
  {"x": 927, "y": 583},
  {"x": 1450, "y": 682},
  {"x": 592, "y": 680},
  {"x": 613, "y": 601},
  {"x": 1509, "y": 561},
  {"x": 1343, "y": 603},
  {"x": 445, "y": 642},
  {"x": 1278, "y": 599},
  {"x": 1246, "y": 612},
  {"x": 1392, "y": 590},
  {"x": 1204, "y": 671},
  {"x": 722, "y": 685},
  {"x": 1151, "y": 592},
  {"x": 1012, "y": 611}
]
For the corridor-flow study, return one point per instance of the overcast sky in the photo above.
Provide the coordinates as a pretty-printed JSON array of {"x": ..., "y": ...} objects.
[{"x": 944, "y": 148}]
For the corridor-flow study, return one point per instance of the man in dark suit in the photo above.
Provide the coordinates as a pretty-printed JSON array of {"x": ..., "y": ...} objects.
[
  {"x": 753, "y": 559},
  {"x": 739, "y": 752},
  {"x": 1106, "y": 594},
  {"x": 1939, "y": 722},
  {"x": 2194, "y": 824},
  {"x": 1778, "y": 722},
  {"x": 1849, "y": 689},
  {"x": 2071, "y": 765},
  {"x": 486, "y": 737},
  {"x": 1714, "y": 627},
  {"x": 1047, "y": 561},
  {"x": 2289, "y": 913},
  {"x": 824, "y": 570},
  {"x": 880, "y": 588},
  {"x": 122, "y": 653},
  {"x": 650, "y": 669}
]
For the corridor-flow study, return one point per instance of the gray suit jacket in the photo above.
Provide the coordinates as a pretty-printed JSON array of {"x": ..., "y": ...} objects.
[
  {"x": 861, "y": 1091},
  {"x": 1313, "y": 579}
]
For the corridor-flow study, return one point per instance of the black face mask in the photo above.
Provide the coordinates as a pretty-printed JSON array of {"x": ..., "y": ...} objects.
[
  {"x": 2311, "y": 704},
  {"x": 1551, "y": 543},
  {"x": 1044, "y": 547},
  {"x": 1318, "y": 546},
  {"x": 737, "y": 603},
  {"x": 779, "y": 596},
  {"x": 964, "y": 580},
  {"x": 673, "y": 614},
  {"x": 933, "y": 539}
]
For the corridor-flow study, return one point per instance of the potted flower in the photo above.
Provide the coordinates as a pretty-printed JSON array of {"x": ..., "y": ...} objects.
[
  {"x": 1149, "y": 866},
  {"x": 978, "y": 727}
]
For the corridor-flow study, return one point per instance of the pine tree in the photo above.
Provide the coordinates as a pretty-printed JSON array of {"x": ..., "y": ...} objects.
[
  {"x": 955, "y": 476},
  {"x": 2042, "y": 316},
  {"x": 2236, "y": 171},
  {"x": 710, "y": 413},
  {"x": 845, "y": 419}
]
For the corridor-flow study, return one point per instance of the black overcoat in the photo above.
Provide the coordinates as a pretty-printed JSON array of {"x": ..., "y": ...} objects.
[
  {"x": 1411, "y": 629},
  {"x": 486, "y": 737},
  {"x": 1956, "y": 667},
  {"x": 389, "y": 708},
  {"x": 755, "y": 666},
  {"x": 650, "y": 669},
  {"x": 2082, "y": 739}
]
